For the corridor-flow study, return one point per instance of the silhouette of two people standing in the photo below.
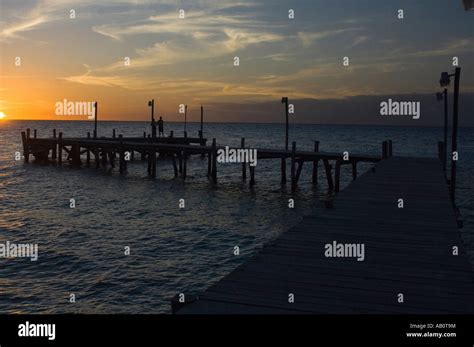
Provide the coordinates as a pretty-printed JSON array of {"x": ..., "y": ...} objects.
[{"x": 160, "y": 123}]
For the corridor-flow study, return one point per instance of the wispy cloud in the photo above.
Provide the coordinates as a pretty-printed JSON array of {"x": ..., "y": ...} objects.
[{"x": 308, "y": 38}]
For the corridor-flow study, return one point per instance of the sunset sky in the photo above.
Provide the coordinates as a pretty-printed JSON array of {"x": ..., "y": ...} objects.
[{"x": 190, "y": 60}]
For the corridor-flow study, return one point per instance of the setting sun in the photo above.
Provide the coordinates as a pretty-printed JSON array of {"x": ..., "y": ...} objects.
[{"x": 2, "y": 115}]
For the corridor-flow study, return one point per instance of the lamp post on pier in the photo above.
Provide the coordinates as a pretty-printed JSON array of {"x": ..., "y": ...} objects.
[
  {"x": 444, "y": 96},
  {"x": 151, "y": 104},
  {"x": 444, "y": 82},
  {"x": 95, "y": 119},
  {"x": 284, "y": 100}
]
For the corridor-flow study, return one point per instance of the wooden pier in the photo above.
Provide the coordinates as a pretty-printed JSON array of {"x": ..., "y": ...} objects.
[
  {"x": 104, "y": 151},
  {"x": 414, "y": 261}
]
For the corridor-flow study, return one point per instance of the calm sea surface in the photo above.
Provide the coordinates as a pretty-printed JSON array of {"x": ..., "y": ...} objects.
[{"x": 173, "y": 250}]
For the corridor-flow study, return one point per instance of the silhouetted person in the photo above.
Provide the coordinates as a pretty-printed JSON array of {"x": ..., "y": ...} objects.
[{"x": 160, "y": 127}]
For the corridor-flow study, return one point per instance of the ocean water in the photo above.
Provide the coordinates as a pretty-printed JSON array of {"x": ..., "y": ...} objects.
[{"x": 81, "y": 250}]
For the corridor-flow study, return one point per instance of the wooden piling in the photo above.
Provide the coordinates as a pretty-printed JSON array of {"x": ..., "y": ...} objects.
[
  {"x": 54, "y": 148},
  {"x": 26, "y": 154},
  {"x": 88, "y": 157},
  {"x": 441, "y": 151},
  {"x": 337, "y": 176},
  {"x": 113, "y": 133},
  {"x": 180, "y": 162},
  {"x": 327, "y": 168},
  {"x": 298, "y": 171},
  {"x": 184, "y": 165},
  {"x": 60, "y": 148},
  {"x": 35, "y": 133},
  {"x": 111, "y": 156},
  {"x": 97, "y": 157},
  {"x": 88, "y": 152},
  {"x": 252, "y": 175},
  {"x": 315, "y": 163},
  {"x": 104, "y": 157},
  {"x": 75, "y": 156},
  {"x": 390, "y": 148},
  {"x": 385, "y": 149},
  {"x": 244, "y": 167},
  {"x": 28, "y": 133},
  {"x": 293, "y": 165},
  {"x": 214, "y": 161},
  {"x": 175, "y": 167},
  {"x": 171, "y": 133},
  {"x": 209, "y": 164},
  {"x": 354, "y": 170},
  {"x": 122, "y": 162}
]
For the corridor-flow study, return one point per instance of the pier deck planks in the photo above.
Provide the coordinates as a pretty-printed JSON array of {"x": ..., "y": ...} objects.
[{"x": 407, "y": 251}]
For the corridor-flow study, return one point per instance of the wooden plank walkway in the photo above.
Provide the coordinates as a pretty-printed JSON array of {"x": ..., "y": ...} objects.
[{"x": 408, "y": 251}]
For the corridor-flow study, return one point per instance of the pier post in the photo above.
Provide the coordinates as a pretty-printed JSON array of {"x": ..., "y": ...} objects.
[
  {"x": 252, "y": 175},
  {"x": 202, "y": 143},
  {"x": 28, "y": 133},
  {"x": 180, "y": 161},
  {"x": 35, "y": 133},
  {"x": 293, "y": 165},
  {"x": 88, "y": 152},
  {"x": 76, "y": 156},
  {"x": 184, "y": 165},
  {"x": 111, "y": 155},
  {"x": 337, "y": 176},
  {"x": 244, "y": 167},
  {"x": 441, "y": 152},
  {"x": 354, "y": 170},
  {"x": 171, "y": 133},
  {"x": 315, "y": 163},
  {"x": 390, "y": 148},
  {"x": 385, "y": 150},
  {"x": 60, "y": 148},
  {"x": 327, "y": 168},
  {"x": 26, "y": 152},
  {"x": 97, "y": 157},
  {"x": 143, "y": 156},
  {"x": 122, "y": 162},
  {"x": 209, "y": 164},
  {"x": 298, "y": 171},
  {"x": 214, "y": 161},
  {"x": 175, "y": 167},
  {"x": 104, "y": 158},
  {"x": 55, "y": 147},
  {"x": 113, "y": 133}
]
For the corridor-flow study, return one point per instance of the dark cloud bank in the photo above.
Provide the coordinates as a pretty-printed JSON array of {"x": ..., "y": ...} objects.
[{"x": 352, "y": 110}]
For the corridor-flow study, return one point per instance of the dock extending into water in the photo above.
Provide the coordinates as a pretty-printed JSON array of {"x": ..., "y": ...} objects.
[
  {"x": 400, "y": 216},
  {"x": 103, "y": 152},
  {"x": 414, "y": 259}
]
